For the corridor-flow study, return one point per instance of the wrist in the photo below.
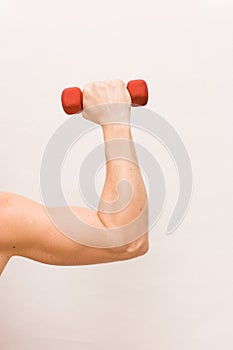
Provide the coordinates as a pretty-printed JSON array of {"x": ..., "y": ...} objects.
[{"x": 116, "y": 130}]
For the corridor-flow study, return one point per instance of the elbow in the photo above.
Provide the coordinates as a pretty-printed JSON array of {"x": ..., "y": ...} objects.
[
  {"x": 136, "y": 248},
  {"x": 132, "y": 250},
  {"x": 139, "y": 247}
]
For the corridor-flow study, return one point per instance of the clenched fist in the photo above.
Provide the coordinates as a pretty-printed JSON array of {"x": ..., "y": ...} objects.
[{"x": 106, "y": 102}]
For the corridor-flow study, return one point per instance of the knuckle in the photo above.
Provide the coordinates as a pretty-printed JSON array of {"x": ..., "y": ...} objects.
[
  {"x": 98, "y": 83},
  {"x": 87, "y": 88},
  {"x": 120, "y": 82},
  {"x": 117, "y": 82},
  {"x": 108, "y": 81}
]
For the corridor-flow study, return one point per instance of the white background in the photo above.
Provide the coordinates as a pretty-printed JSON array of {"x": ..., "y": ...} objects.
[{"x": 179, "y": 296}]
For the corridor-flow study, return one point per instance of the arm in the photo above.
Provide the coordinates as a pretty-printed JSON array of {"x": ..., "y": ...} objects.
[{"x": 26, "y": 230}]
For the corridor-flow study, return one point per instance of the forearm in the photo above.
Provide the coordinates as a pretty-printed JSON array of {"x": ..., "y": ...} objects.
[{"x": 133, "y": 190}]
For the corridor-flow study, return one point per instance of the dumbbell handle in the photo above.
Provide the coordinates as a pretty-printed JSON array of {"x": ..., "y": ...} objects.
[{"x": 72, "y": 98}]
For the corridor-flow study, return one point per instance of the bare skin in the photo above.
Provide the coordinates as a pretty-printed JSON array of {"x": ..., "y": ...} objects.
[{"x": 27, "y": 231}]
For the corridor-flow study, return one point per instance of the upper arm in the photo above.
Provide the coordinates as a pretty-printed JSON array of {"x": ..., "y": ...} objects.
[{"x": 26, "y": 230}]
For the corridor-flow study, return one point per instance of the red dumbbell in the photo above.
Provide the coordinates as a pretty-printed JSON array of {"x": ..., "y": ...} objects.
[{"x": 72, "y": 98}]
